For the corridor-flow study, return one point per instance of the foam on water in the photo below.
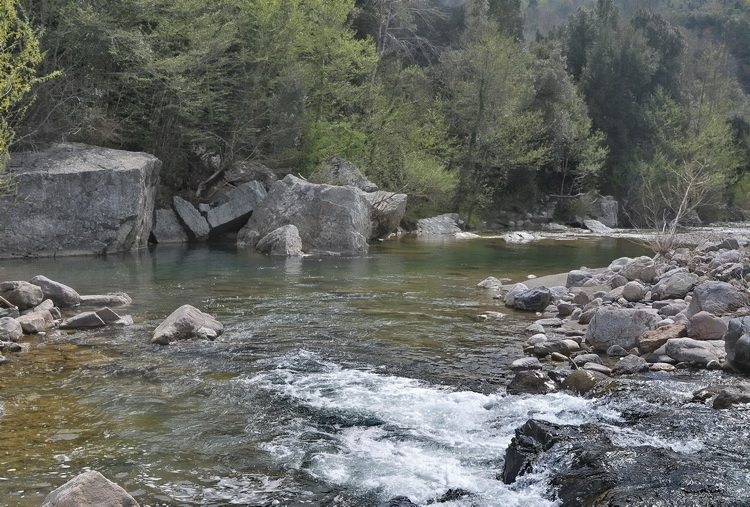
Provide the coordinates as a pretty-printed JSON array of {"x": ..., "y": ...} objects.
[{"x": 376, "y": 436}]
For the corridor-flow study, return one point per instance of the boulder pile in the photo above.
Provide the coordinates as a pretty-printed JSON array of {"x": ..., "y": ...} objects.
[
  {"x": 688, "y": 309},
  {"x": 42, "y": 305}
]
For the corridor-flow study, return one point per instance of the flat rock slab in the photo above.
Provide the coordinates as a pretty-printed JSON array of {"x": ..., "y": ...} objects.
[
  {"x": 115, "y": 299},
  {"x": 195, "y": 225},
  {"x": 85, "y": 320}
]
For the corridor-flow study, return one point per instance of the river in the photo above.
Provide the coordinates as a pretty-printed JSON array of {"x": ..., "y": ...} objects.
[{"x": 338, "y": 381}]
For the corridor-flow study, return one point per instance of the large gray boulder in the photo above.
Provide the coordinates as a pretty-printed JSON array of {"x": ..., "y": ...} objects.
[
  {"x": 641, "y": 268},
  {"x": 338, "y": 171},
  {"x": 448, "y": 223},
  {"x": 737, "y": 344},
  {"x": 22, "y": 294},
  {"x": 60, "y": 294},
  {"x": 606, "y": 209},
  {"x": 185, "y": 323},
  {"x": 235, "y": 207},
  {"x": 388, "y": 209},
  {"x": 633, "y": 291},
  {"x": 167, "y": 228},
  {"x": 619, "y": 326},
  {"x": 715, "y": 297},
  {"x": 74, "y": 199},
  {"x": 674, "y": 286},
  {"x": 330, "y": 219},
  {"x": 195, "y": 224},
  {"x": 282, "y": 241},
  {"x": 89, "y": 489}
]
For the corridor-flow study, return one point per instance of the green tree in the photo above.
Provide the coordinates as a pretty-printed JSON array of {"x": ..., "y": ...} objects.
[
  {"x": 407, "y": 140},
  {"x": 618, "y": 66},
  {"x": 694, "y": 158},
  {"x": 488, "y": 94},
  {"x": 576, "y": 151},
  {"x": 19, "y": 58}
]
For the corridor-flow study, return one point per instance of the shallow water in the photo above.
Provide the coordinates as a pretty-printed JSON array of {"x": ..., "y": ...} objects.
[{"x": 338, "y": 381}]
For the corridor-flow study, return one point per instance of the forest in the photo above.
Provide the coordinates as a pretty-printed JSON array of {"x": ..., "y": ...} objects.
[{"x": 474, "y": 106}]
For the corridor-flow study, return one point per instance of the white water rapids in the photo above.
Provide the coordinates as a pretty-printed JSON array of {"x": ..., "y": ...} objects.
[{"x": 379, "y": 436}]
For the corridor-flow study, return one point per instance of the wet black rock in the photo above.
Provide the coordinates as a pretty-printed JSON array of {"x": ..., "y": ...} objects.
[
  {"x": 533, "y": 300},
  {"x": 532, "y": 382},
  {"x": 399, "y": 501},
  {"x": 531, "y": 440}
]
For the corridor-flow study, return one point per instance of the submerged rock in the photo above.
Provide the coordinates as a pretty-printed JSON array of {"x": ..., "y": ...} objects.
[
  {"x": 398, "y": 501},
  {"x": 114, "y": 299},
  {"x": 187, "y": 322},
  {"x": 89, "y": 489}
]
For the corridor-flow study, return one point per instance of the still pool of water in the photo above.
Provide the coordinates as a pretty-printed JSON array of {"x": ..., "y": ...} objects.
[{"x": 338, "y": 381}]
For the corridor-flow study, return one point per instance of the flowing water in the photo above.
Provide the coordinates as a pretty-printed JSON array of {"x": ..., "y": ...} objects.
[{"x": 338, "y": 381}]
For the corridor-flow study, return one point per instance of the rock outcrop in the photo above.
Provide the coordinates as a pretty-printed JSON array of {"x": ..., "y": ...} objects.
[
  {"x": 74, "y": 199},
  {"x": 330, "y": 219}
]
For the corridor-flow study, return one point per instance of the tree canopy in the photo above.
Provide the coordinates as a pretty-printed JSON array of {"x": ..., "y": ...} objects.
[{"x": 445, "y": 100}]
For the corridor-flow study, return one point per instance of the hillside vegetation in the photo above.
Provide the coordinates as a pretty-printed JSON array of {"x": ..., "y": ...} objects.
[{"x": 474, "y": 105}]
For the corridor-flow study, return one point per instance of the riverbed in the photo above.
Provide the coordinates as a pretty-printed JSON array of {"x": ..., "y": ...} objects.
[{"x": 339, "y": 381}]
